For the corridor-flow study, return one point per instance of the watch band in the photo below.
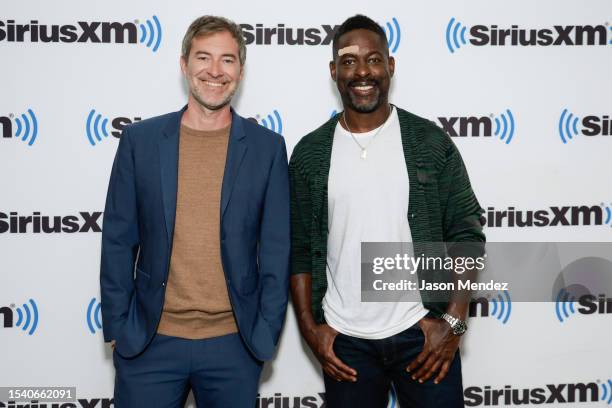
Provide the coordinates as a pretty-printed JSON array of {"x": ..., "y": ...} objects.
[{"x": 458, "y": 326}]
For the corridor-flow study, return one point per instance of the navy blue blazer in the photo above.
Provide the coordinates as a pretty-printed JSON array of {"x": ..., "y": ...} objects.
[{"x": 138, "y": 228}]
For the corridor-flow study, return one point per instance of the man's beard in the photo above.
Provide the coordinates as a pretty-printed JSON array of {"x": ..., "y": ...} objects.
[
  {"x": 351, "y": 99},
  {"x": 217, "y": 106},
  {"x": 363, "y": 107}
]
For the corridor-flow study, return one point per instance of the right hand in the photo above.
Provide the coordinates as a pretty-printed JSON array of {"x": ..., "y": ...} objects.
[
  {"x": 320, "y": 339},
  {"x": 112, "y": 344}
]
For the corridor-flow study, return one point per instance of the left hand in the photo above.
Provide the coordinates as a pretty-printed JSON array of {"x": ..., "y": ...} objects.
[{"x": 438, "y": 351}]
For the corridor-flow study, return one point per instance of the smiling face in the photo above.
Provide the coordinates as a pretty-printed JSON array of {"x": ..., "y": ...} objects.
[
  {"x": 363, "y": 72},
  {"x": 212, "y": 69}
]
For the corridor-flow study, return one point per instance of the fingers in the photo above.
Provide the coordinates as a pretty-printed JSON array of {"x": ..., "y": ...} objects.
[
  {"x": 419, "y": 360},
  {"x": 431, "y": 366},
  {"x": 443, "y": 372},
  {"x": 435, "y": 363},
  {"x": 340, "y": 371},
  {"x": 333, "y": 372}
]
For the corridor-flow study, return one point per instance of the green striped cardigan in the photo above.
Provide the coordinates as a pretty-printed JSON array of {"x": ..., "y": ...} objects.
[{"x": 442, "y": 206}]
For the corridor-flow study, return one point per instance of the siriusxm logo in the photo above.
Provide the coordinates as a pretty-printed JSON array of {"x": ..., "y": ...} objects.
[
  {"x": 320, "y": 35},
  {"x": 13, "y": 223},
  {"x": 499, "y": 306},
  {"x": 550, "y": 217},
  {"x": 501, "y": 126},
  {"x": 270, "y": 121},
  {"x": 458, "y": 35},
  {"x": 79, "y": 403},
  {"x": 22, "y": 127},
  {"x": 278, "y": 400},
  {"x": 591, "y": 126},
  {"x": 549, "y": 394},
  {"x": 567, "y": 304},
  {"x": 96, "y": 126},
  {"x": 85, "y": 32},
  {"x": 27, "y": 316},
  {"x": 94, "y": 315}
]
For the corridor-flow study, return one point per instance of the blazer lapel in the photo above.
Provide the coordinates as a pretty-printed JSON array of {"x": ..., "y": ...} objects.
[
  {"x": 235, "y": 153},
  {"x": 168, "y": 160}
]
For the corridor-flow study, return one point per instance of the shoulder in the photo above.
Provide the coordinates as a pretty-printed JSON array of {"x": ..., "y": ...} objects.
[
  {"x": 429, "y": 135},
  {"x": 261, "y": 135},
  {"x": 311, "y": 144},
  {"x": 156, "y": 123},
  {"x": 150, "y": 129}
]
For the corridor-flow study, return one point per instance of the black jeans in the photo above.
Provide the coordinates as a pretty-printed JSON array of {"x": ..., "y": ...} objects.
[{"x": 381, "y": 364}]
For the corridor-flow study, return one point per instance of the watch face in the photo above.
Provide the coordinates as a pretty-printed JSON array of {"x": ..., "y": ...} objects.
[{"x": 460, "y": 328}]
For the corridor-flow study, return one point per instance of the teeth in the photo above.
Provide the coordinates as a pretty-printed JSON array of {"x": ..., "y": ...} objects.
[
  {"x": 213, "y": 84},
  {"x": 364, "y": 88}
]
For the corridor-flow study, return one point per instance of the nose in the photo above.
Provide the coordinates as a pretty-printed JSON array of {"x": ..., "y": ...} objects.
[
  {"x": 214, "y": 69},
  {"x": 362, "y": 69}
]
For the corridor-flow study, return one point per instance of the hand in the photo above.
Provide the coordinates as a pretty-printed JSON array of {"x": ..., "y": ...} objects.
[
  {"x": 320, "y": 339},
  {"x": 112, "y": 344},
  {"x": 438, "y": 351}
]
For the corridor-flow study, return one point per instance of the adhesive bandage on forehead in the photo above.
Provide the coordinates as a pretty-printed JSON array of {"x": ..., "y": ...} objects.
[{"x": 351, "y": 49}]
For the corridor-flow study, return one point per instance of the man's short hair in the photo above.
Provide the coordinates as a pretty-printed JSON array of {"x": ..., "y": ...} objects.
[
  {"x": 207, "y": 25},
  {"x": 357, "y": 22}
]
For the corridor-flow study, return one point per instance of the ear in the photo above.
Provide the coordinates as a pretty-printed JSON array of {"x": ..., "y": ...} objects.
[
  {"x": 332, "y": 70},
  {"x": 241, "y": 72},
  {"x": 183, "y": 63},
  {"x": 391, "y": 65}
]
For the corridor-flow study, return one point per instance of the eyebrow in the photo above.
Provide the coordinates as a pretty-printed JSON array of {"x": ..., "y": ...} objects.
[
  {"x": 208, "y": 53},
  {"x": 349, "y": 54}
]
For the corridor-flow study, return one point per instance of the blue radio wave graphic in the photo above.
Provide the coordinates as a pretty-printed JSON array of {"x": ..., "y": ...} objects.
[
  {"x": 393, "y": 33},
  {"x": 333, "y": 113},
  {"x": 151, "y": 32},
  {"x": 505, "y": 126},
  {"x": 564, "y": 303},
  {"x": 95, "y": 126},
  {"x": 610, "y": 42},
  {"x": 568, "y": 126},
  {"x": 455, "y": 35},
  {"x": 29, "y": 125},
  {"x": 606, "y": 394},
  {"x": 504, "y": 310},
  {"x": 274, "y": 123},
  {"x": 93, "y": 316},
  {"x": 31, "y": 317},
  {"x": 608, "y": 210}
]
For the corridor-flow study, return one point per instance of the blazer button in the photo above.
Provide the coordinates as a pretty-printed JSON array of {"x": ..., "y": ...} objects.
[
  {"x": 412, "y": 215},
  {"x": 163, "y": 283}
]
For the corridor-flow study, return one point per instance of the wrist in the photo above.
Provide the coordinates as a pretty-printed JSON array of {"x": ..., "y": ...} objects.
[{"x": 457, "y": 325}]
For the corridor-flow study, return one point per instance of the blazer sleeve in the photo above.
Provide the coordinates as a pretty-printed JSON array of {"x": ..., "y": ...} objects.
[
  {"x": 120, "y": 240},
  {"x": 274, "y": 244}
]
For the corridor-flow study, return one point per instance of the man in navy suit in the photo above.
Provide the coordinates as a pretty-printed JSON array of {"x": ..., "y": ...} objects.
[{"x": 195, "y": 244}]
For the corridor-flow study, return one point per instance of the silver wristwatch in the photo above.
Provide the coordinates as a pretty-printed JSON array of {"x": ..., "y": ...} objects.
[{"x": 459, "y": 326}]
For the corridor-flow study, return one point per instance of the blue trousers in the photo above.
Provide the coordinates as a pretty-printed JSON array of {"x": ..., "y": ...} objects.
[
  {"x": 221, "y": 372},
  {"x": 381, "y": 364}
]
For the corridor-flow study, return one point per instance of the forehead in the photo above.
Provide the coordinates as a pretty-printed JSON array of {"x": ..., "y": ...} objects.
[
  {"x": 215, "y": 43},
  {"x": 366, "y": 40}
]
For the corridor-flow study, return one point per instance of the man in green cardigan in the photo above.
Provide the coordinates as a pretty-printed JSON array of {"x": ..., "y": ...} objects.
[{"x": 376, "y": 173}]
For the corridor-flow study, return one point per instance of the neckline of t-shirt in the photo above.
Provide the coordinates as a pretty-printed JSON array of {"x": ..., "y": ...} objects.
[
  {"x": 364, "y": 135},
  {"x": 204, "y": 133}
]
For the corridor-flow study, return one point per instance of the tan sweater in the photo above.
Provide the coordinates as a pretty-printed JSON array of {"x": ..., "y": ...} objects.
[{"x": 197, "y": 304}]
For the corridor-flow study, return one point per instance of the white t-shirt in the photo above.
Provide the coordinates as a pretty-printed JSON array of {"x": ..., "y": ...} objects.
[{"x": 367, "y": 202}]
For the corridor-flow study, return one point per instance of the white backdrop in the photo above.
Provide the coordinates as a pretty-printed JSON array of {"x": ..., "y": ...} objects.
[{"x": 61, "y": 169}]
